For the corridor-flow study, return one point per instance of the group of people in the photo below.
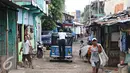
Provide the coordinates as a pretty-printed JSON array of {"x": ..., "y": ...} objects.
[{"x": 93, "y": 51}]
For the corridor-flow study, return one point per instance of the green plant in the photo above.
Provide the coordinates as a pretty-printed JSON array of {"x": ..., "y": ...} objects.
[{"x": 55, "y": 14}]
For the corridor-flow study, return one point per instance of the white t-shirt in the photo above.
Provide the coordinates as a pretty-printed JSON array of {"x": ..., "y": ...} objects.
[
  {"x": 62, "y": 35},
  {"x": 26, "y": 47}
]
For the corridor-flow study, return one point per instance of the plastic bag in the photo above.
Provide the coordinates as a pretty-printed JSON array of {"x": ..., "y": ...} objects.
[
  {"x": 84, "y": 50},
  {"x": 103, "y": 57}
]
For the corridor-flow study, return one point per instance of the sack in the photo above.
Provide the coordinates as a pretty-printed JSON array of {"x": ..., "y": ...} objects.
[
  {"x": 84, "y": 50},
  {"x": 103, "y": 58}
]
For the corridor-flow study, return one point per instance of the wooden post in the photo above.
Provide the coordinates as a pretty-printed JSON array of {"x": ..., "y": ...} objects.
[
  {"x": 7, "y": 36},
  {"x": 17, "y": 51}
]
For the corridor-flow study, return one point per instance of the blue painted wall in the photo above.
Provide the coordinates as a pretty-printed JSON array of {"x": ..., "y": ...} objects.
[
  {"x": 27, "y": 17},
  {"x": 19, "y": 16}
]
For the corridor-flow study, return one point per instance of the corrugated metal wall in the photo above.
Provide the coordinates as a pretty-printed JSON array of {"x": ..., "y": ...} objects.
[
  {"x": 2, "y": 32},
  {"x": 12, "y": 36},
  {"x": 11, "y": 41}
]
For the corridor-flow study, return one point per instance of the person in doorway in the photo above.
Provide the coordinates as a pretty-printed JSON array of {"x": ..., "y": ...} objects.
[
  {"x": 95, "y": 50},
  {"x": 61, "y": 43},
  {"x": 26, "y": 47}
]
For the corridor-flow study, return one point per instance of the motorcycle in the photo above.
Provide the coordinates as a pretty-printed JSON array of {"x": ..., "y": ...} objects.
[{"x": 39, "y": 50}]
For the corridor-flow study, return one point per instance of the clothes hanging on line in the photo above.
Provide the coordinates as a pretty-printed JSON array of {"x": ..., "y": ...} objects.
[{"x": 123, "y": 47}]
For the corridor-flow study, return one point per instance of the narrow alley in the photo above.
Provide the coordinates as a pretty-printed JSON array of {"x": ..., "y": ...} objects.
[{"x": 45, "y": 66}]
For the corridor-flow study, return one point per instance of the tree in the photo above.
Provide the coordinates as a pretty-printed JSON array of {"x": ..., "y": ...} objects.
[{"x": 55, "y": 14}]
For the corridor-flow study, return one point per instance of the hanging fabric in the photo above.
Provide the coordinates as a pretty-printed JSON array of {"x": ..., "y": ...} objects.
[
  {"x": 123, "y": 42},
  {"x": 128, "y": 41}
]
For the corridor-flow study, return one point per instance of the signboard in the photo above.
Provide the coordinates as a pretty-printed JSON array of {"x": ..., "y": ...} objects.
[
  {"x": 78, "y": 14},
  {"x": 119, "y": 7}
]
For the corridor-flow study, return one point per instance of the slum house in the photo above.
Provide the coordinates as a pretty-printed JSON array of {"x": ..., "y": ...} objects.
[
  {"x": 103, "y": 31},
  {"x": 109, "y": 39},
  {"x": 30, "y": 18},
  {"x": 8, "y": 32},
  {"x": 124, "y": 41},
  {"x": 110, "y": 36}
]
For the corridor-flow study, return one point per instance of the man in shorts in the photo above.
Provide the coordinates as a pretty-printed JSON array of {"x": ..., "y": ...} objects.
[
  {"x": 95, "y": 50},
  {"x": 26, "y": 47}
]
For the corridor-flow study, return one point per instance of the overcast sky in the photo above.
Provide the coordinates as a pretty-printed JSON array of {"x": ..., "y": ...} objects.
[{"x": 72, "y": 5}]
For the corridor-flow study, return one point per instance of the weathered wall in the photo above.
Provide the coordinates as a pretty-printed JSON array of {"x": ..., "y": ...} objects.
[{"x": 114, "y": 6}]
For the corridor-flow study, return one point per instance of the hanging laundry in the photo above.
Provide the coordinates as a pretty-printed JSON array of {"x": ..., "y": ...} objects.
[
  {"x": 123, "y": 42},
  {"x": 128, "y": 42}
]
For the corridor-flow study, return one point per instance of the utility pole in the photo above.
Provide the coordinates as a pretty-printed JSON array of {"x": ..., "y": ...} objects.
[
  {"x": 90, "y": 12},
  {"x": 98, "y": 5}
]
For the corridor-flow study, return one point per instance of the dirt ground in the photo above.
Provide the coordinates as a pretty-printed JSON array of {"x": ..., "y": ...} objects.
[{"x": 45, "y": 66}]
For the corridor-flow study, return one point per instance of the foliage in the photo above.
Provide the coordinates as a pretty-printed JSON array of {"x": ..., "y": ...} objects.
[
  {"x": 47, "y": 23},
  {"x": 55, "y": 14}
]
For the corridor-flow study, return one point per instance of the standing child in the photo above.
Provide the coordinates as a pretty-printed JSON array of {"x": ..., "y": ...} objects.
[{"x": 81, "y": 45}]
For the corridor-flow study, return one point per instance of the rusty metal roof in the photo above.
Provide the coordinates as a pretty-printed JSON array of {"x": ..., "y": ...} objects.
[{"x": 9, "y": 4}]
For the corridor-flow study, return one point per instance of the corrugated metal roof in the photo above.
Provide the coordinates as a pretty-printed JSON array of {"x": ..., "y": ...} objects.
[
  {"x": 11, "y": 4},
  {"x": 123, "y": 21}
]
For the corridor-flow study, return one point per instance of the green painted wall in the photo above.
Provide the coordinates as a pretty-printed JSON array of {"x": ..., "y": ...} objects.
[
  {"x": 20, "y": 43},
  {"x": 12, "y": 32},
  {"x": 34, "y": 40},
  {"x": 3, "y": 22},
  {"x": 12, "y": 36}
]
